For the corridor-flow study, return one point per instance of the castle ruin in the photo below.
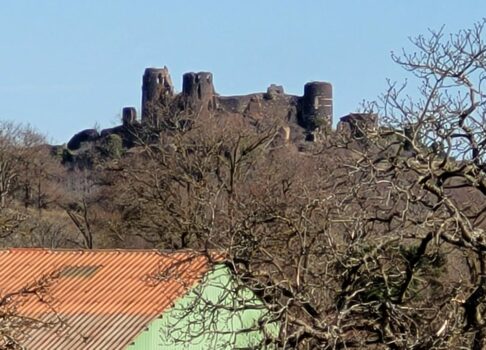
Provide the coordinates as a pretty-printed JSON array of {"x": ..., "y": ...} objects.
[
  {"x": 309, "y": 117},
  {"x": 312, "y": 111}
]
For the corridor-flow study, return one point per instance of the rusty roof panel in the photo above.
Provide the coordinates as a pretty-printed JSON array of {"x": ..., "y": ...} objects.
[{"x": 105, "y": 298}]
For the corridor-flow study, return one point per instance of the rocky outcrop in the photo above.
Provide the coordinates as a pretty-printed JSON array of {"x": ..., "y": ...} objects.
[
  {"x": 355, "y": 124},
  {"x": 82, "y": 136}
]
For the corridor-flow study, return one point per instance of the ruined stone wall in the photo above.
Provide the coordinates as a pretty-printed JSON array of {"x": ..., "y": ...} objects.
[{"x": 236, "y": 104}]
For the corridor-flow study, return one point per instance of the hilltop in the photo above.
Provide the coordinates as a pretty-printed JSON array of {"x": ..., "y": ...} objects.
[{"x": 300, "y": 120}]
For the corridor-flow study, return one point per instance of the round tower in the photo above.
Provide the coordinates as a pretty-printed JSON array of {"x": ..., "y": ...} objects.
[
  {"x": 198, "y": 91},
  {"x": 157, "y": 88},
  {"x": 316, "y": 107}
]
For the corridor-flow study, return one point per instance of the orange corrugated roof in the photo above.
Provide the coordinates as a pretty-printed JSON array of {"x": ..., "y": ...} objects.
[{"x": 104, "y": 297}]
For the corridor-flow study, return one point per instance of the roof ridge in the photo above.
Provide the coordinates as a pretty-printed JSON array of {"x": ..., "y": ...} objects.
[{"x": 103, "y": 250}]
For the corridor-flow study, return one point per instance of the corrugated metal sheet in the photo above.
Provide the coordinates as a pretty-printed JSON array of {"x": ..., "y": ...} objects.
[
  {"x": 104, "y": 297},
  {"x": 217, "y": 314}
]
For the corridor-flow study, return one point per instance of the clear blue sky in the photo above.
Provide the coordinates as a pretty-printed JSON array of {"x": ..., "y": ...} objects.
[{"x": 68, "y": 65}]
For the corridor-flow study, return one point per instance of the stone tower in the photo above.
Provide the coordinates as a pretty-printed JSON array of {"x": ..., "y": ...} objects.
[
  {"x": 316, "y": 108},
  {"x": 129, "y": 116},
  {"x": 157, "y": 88},
  {"x": 198, "y": 91}
]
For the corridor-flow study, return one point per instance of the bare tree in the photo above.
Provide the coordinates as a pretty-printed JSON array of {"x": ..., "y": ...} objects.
[
  {"x": 426, "y": 163},
  {"x": 80, "y": 217},
  {"x": 276, "y": 213},
  {"x": 13, "y": 324},
  {"x": 11, "y": 145}
]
